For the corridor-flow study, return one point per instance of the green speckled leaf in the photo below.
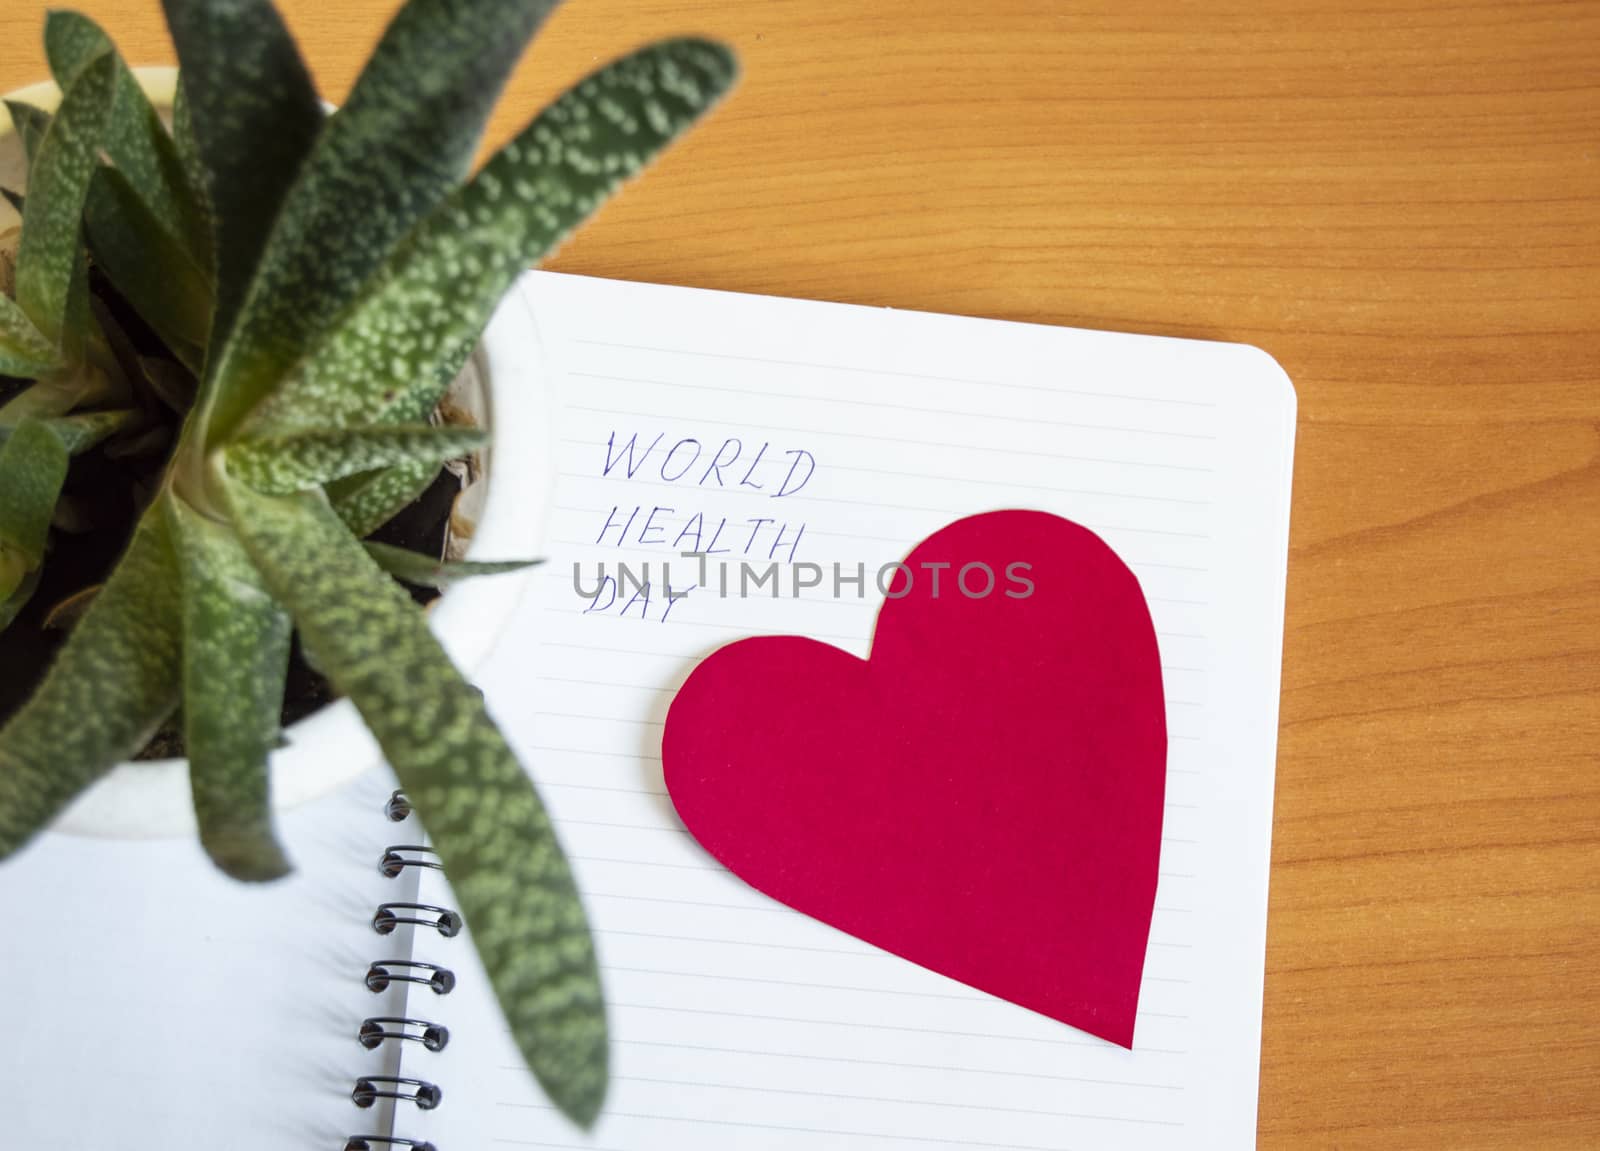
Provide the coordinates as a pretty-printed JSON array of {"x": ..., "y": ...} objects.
[
  {"x": 24, "y": 352},
  {"x": 135, "y": 139},
  {"x": 71, "y": 40},
  {"x": 33, "y": 466},
  {"x": 56, "y": 395},
  {"x": 427, "y": 571},
  {"x": 400, "y": 347},
  {"x": 367, "y": 501},
  {"x": 78, "y": 329},
  {"x": 48, "y": 253},
  {"x": 183, "y": 140},
  {"x": 31, "y": 124},
  {"x": 42, "y": 401},
  {"x": 235, "y": 657},
  {"x": 403, "y": 139},
  {"x": 153, "y": 271},
  {"x": 481, "y": 812},
  {"x": 110, "y": 687},
  {"x": 14, "y": 573},
  {"x": 81, "y": 432},
  {"x": 279, "y": 465},
  {"x": 201, "y": 241},
  {"x": 255, "y": 116},
  {"x": 18, "y": 599}
]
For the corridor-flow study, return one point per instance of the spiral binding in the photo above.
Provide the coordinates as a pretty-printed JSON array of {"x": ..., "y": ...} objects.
[
  {"x": 394, "y": 863},
  {"x": 389, "y": 916},
  {"x": 382, "y": 973},
  {"x": 433, "y": 1036}
]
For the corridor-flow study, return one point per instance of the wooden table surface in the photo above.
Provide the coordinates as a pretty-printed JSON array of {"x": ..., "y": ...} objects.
[{"x": 1400, "y": 200}]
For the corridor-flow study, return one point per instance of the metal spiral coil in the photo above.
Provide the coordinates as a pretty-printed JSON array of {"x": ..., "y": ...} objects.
[
  {"x": 374, "y": 1032},
  {"x": 391, "y": 915},
  {"x": 395, "y": 860},
  {"x": 373, "y": 1142},
  {"x": 383, "y": 972},
  {"x": 371, "y": 1088},
  {"x": 398, "y": 809}
]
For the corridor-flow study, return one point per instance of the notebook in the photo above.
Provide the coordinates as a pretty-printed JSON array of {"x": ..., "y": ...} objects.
[{"x": 736, "y": 1022}]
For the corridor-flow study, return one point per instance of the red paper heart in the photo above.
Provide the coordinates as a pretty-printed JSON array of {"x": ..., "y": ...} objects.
[{"x": 983, "y": 796}]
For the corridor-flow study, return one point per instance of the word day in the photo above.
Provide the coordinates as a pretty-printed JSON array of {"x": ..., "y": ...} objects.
[
  {"x": 631, "y": 596},
  {"x": 974, "y": 581}
]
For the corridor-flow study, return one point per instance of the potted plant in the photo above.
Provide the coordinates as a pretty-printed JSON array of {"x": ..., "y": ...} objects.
[
  {"x": 270, "y": 307},
  {"x": 326, "y": 744}
]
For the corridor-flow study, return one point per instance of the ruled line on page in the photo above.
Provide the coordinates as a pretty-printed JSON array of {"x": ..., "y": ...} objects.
[
  {"x": 1132, "y": 561},
  {"x": 768, "y": 394},
  {"x": 1050, "y": 1040},
  {"x": 1015, "y": 485},
  {"x": 672, "y": 690},
  {"x": 612, "y": 549},
  {"x": 578, "y": 613},
  {"x": 566, "y": 713},
  {"x": 654, "y": 792},
  {"x": 1048, "y": 388},
  {"x": 674, "y": 655},
  {"x": 1010, "y": 451},
  {"x": 656, "y": 758},
  {"x": 876, "y": 505},
  {"x": 508, "y": 1141},
  {"x": 831, "y": 1058},
  {"x": 595, "y": 751},
  {"x": 811, "y": 1130},
  {"x": 707, "y": 868},
  {"x": 1165, "y": 839},
  {"x": 719, "y": 869},
  {"x": 865, "y": 951},
  {"x": 553, "y": 577},
  {"x": 969, "y": 996},
  {"x": 661, "y": 793},
  {"x": 983, "y": 1107},
  {"x": 773, "y": 908},
  {"x": 946, "y": 477}
]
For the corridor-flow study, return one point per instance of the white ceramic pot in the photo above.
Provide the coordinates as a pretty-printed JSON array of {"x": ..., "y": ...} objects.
[{"x": 505, "y": 388}]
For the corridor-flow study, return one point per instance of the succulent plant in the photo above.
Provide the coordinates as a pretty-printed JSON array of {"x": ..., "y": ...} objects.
[
  {"x": 77, "y": 379},
  {"x": 324, "y": 277}
]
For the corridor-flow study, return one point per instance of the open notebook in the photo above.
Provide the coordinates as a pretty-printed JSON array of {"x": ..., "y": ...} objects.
[{"x": 736, "y": 1022}]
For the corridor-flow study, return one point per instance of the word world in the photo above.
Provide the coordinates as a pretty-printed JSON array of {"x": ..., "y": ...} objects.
[{"x": 729, "y": 466}]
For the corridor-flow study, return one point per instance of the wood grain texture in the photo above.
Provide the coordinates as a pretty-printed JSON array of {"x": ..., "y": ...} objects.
[{"x": 1400, "y": 200}]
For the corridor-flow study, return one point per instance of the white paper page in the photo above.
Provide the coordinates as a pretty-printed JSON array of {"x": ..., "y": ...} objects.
[
  {"x": 738, "y": 1023},
  {"x": 157, "y": 1004}
]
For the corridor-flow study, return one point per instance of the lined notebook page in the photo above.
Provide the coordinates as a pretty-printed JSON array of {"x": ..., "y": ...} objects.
[
  {"x": 844, "y": 436},
  {"x": 157, "y": 1003}
]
